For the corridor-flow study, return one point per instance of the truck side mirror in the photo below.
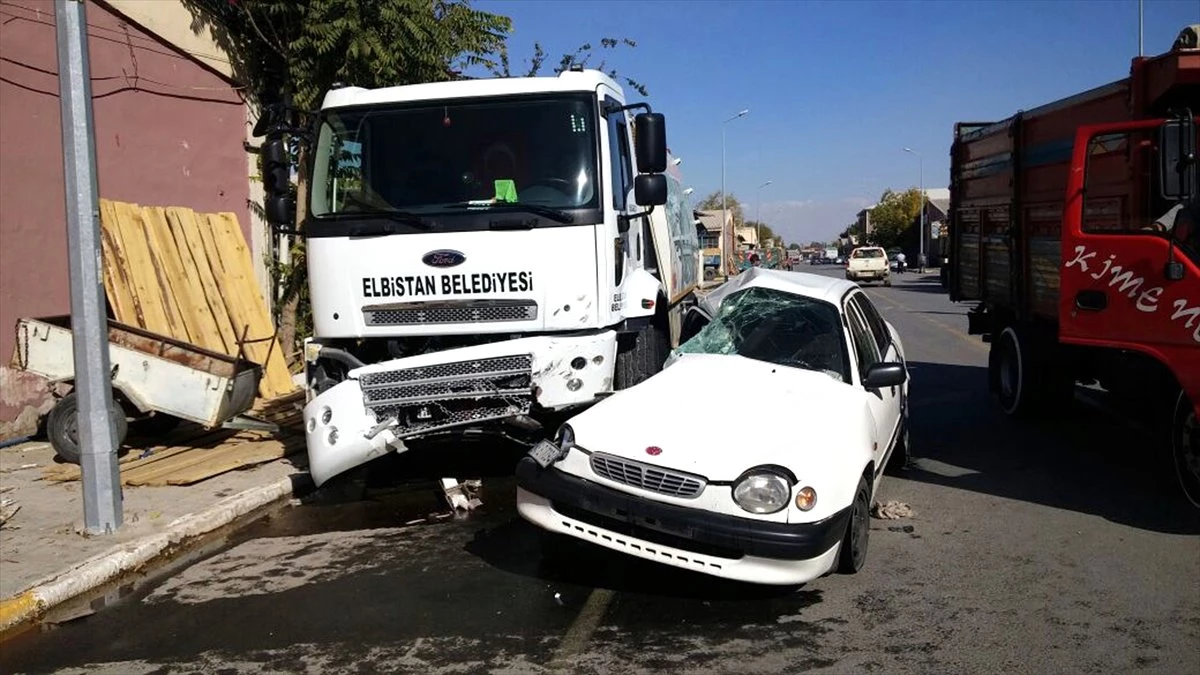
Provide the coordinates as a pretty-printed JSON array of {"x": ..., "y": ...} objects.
[
  {"x": 1177, "y": 151},
  {"x": 650, "y": 189},
  {"x": 650, "y": 139},
  {"x": 277, "y": 183}
]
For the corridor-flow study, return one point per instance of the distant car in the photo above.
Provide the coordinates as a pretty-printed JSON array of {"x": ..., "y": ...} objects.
[
  {"x": 868, "y": 263},
  {"x": 640, "y": 474}
]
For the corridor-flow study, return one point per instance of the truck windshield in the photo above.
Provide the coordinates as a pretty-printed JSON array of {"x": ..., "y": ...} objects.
[{"x": 439, "y": 159}]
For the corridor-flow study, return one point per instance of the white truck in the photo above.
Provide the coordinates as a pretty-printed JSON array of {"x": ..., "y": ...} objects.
[
  {"x": 868, "y": 263},
  {"x": 484, "y": 257}
]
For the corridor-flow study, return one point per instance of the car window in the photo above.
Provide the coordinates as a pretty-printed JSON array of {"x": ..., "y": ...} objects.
[
  {"x": 867, "y": 253},
  {"x": 874, "y": 321},
  {"x": 777, "y": 327},
  {"x": 864, "y": 342}
]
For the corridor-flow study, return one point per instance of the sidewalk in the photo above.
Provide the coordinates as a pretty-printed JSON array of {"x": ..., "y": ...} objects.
[{"x": 46, "y": 556}]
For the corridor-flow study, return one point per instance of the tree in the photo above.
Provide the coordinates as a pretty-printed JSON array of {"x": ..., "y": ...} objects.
[
  {"x": 893, "y": 217},
  {"x": 765, "y": 233},
  {"x": 712, "y": 202},
  {"x": 580, "y": 57}
]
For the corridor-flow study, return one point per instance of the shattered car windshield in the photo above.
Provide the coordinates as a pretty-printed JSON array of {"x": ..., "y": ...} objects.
[{"x": 777, "y": 327}]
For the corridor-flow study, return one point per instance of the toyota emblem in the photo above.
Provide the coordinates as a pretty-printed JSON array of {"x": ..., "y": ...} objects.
[{"x": 654, "y": 451}]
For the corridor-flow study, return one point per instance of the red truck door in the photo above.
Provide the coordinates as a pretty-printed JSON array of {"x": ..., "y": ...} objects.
[{"x": 1116, "y": 287}]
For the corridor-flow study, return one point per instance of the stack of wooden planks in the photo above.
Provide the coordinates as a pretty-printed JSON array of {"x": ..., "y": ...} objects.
[
  {"x": 189, "y": 276},
  {"x": 190, "y": 454}
]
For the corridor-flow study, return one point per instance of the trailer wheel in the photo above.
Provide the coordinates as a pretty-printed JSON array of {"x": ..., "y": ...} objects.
[
  {"x": 643, "y": 356},
  {"x": 1185, "y": 448},
  {"x": 62, "y": 427}
]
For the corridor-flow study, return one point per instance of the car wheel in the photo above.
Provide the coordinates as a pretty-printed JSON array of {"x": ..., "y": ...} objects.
[
  {"x": 1185, "y": 448},
  {"x": 853, "y": 555}
]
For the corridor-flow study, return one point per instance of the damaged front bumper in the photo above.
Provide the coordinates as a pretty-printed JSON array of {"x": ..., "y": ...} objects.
[{"x": 380, "y": 405}]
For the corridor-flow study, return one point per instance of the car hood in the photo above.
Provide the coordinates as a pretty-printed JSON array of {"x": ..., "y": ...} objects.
[{"x": 718, "y": 415}]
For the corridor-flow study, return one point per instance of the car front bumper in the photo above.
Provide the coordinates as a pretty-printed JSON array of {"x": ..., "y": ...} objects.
[{"x": 720, "y": 545}]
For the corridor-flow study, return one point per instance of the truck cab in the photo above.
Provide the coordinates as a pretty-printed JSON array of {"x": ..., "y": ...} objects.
[{"x": 482, "y": 256}]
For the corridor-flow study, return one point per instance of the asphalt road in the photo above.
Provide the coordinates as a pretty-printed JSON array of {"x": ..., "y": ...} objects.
[{"x": 1049, "y": 549}]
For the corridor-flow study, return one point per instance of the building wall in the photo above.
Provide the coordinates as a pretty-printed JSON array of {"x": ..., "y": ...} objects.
[{"x": 169, "y": 131}]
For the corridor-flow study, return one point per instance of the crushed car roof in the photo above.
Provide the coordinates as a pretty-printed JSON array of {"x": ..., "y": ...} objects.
[{"x": 819, "y": 286}]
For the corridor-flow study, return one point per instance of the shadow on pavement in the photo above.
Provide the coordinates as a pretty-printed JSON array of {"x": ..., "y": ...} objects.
[{"x": 1082, "y": 460}]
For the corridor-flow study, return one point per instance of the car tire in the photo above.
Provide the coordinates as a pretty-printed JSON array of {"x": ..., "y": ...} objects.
[
  {"x": 1185, "y": 448},
  {"x": 62, "y": 427},
  {"x": 853, "y": 554}
]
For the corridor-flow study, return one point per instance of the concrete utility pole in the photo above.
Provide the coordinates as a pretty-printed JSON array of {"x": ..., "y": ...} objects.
[
  {"x": 724, "y": 210},
  {"x": 758, "y": 215},
  {"x": 921, "y": 187},
  {"x": 102, "y": 507}
]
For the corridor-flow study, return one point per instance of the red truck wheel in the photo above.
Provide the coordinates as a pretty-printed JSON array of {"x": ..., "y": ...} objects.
[
  {"x": 1185, "y": 448},
  {"x": 1025, "y": 374}
]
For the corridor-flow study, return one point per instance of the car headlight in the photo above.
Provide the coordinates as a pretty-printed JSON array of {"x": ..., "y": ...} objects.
[{"x": 761, "y": 491}]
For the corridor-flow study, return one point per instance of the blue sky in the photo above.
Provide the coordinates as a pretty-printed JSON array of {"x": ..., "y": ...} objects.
[{"x": 837, "y": 89}]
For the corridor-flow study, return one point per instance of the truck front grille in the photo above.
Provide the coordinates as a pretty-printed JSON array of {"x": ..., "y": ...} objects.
[
  {"x": 466, "y": 311},
  {"x": 444, "y": 395},
  {"x": 646, "y": 476}
]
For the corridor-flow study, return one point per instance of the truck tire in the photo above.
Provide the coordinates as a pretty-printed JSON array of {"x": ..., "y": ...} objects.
[
  {"x": 1024, "y": 375},
  {"x": 62, "y": 427},
  {"x": 642, "y": 356},
  {"x": 1185, "y": 448}
]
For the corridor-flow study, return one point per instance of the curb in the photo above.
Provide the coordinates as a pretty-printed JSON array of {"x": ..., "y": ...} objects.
[{"x": 122, "y": 558}]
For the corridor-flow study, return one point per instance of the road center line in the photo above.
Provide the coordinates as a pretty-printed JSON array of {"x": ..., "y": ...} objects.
[
  {"x": 978, "y": 344},
  {"x": 582, "y": 628}
]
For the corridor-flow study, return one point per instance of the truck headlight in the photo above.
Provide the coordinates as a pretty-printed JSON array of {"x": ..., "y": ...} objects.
[{"x": 762, "y": 491}]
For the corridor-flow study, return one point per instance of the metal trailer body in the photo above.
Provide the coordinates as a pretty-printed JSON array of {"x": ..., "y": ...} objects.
[{"x": 151, "y": 373}]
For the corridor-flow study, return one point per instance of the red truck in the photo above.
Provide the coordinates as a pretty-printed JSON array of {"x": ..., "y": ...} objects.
[{"x": 1074, "y": 228}]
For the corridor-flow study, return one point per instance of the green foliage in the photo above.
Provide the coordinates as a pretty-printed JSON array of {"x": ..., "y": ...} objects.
[
  {"x": 894, "y": 216},
  {"x": 580, "y": 57},
  {"x": 765, "y": 233},
  {"x": 289, "y": 47},
  {"x": 712, "y": 202}
]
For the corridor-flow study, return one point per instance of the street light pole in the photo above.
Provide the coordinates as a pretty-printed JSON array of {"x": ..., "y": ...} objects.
[
  {"x": 758, "y": 215},
  {"x": 724, "y": 210},
  {"x": 99, "y": 472},
  {"x": 921, "y": 187}
]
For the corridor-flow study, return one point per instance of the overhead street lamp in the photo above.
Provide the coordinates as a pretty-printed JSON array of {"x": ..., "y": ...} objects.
[
  {"x": 724, "y": 209},
  {"x": 758, "y": 215},
  {"x": 921, "y": 187}
]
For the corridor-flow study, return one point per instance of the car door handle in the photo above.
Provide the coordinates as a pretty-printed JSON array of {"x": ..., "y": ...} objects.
[{"x": 1091, "y": 301}]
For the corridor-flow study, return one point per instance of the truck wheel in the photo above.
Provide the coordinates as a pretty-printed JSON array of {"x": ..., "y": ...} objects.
[
  {"x": 643, "y": 356},
  {"x": 62, "y": 427},
  {"x": 1008, "y": 366},
  {"x": 1185, "y": 448}
]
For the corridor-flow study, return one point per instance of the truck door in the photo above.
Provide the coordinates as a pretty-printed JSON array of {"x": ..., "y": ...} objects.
[
  {"x": 627, "y": 247},
  {"x": 1117, "y": 286}
]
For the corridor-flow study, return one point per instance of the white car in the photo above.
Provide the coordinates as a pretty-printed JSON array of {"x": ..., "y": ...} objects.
[{"x": 754, "y": 454}]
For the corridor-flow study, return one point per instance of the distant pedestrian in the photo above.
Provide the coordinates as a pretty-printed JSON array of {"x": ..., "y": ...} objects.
[{"x": 921, "y": 262}]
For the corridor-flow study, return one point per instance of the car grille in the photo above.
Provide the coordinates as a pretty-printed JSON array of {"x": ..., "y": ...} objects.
[
  {"x": 470, "y": 311},
  {"x": 444, "y": 395},
  {"x": 646, "y": 476}
]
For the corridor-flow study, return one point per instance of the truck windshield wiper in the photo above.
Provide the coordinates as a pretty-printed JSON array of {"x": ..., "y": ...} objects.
[
  {"x": 379, "y": 221},
  {"x": 557, "y": 215}
]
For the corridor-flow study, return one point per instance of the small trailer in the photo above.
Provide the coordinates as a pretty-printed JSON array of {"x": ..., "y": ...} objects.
[{"x": 157, "y": 381}]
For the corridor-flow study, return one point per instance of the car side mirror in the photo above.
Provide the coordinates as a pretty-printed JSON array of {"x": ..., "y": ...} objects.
[
  {"x": 883, "y": 375},
  {"x": 650, "y": 189},
  {"x": 650, "y": 141},
  {"x": 1177, "y": 154}
]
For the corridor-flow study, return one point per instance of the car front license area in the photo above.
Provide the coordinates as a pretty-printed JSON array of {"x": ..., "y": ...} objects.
[{"x": 740, "y": 548}]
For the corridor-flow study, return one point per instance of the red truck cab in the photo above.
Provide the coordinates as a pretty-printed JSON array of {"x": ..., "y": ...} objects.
[{"x": 1074, "y": 227}]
